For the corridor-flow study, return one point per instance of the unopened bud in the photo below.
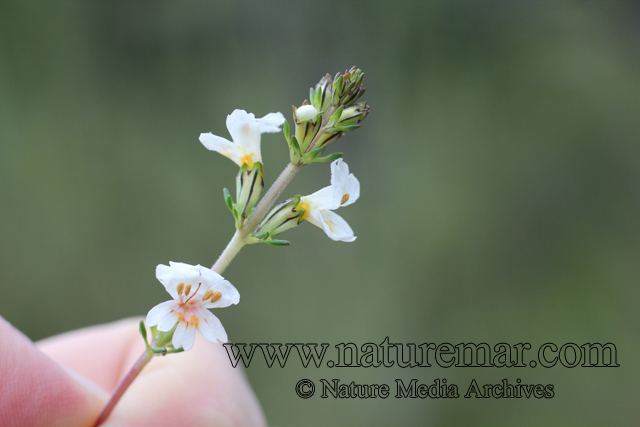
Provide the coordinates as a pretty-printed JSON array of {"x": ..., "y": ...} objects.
[
  {"x": 322, "y": 95},
  {"x": 347, "y": 87},
  {"x": 307, "y": 113},
  {"x": 353, "y": 115},
  {"x": 249, "y": 184},
  {"x": 308, "y": 122}
]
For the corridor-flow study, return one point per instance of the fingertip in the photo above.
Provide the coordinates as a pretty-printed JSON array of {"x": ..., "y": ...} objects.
[{"x": 35, "y": 390}]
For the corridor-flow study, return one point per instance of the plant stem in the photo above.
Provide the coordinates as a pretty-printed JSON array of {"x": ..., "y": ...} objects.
[
  {"x": 233, "y": 247},
  {"x": 123, "y": 386},
  {"x": 235, "y": 244}
]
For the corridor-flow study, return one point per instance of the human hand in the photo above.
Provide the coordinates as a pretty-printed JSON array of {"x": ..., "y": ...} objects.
[{"x": 66, "y": 380}]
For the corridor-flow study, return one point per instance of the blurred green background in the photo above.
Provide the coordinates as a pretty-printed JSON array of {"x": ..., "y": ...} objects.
[{"x": 500, "y": 174}]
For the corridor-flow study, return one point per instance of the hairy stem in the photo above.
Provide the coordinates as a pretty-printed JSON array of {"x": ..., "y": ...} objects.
[
  {"x": 123, "y": 386},
  {"x": 233, "y": 247}
]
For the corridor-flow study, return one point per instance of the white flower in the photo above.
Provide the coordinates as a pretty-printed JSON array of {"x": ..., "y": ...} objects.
[
  {"x": 318, "y": 207},
  {"x": 245, "y": 131},
  {"x": 194, "y": 289}
]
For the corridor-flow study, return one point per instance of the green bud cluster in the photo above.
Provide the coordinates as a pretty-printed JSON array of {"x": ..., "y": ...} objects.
[{"x": 330, "y": 111}]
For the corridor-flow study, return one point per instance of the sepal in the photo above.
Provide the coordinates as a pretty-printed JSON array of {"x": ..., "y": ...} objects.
[
  {"x": 329, "y": 158},
  {"x": 249, "y": 184},
  {"x": 161, "y": 341},
  {"x": 281, "y": 218},
  {"x": 287, "y": 132},
  {"x": 228, "y": 200}
]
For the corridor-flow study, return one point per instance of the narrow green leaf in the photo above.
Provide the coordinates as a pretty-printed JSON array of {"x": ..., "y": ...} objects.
[
  {"x": 261, "y": 236},
  {"x": 143, "y": 332},
  {"x": 274, "y": 242},
  {"x": 329, "y": 158},
  {"x": 315, "y": 152},
  {"x": 286, "y": 130},
  {"x": 159, "y": 350},
  {"x": 227, "y": 199},
  {"x": 348, "y": 128}
]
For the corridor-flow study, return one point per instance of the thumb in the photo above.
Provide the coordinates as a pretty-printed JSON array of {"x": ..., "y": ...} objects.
[{"x": 35, "y": 391}]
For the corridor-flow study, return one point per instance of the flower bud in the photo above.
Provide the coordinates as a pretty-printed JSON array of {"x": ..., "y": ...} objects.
[
  {"x": 352, "y": 116},
  {"x": 307, "y": 120},
  {"x": 330, "y": 111},
  {"x": 307, "y": 113},
  {"x": 249, "y": 184},
  {"x": 322, "y": 95},
  {"x": 347, "y": 87},
  {"x": 343, "y": 120}
]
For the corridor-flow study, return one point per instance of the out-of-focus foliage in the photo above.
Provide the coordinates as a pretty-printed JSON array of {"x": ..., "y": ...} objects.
[{"x": 500, "y": 172}]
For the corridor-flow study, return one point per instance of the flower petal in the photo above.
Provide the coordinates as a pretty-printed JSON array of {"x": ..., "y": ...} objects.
[
  {"x": 169, "y": 321},
  {"x": 178, "y": 335},
  {"x": 159, "y": 312},
  {"x": 271, "y": 123},
  {"x": 210, "y": 278},
  {"x": 344, "y": 183},
  {"x": 236, "y": 120},
  {"x": 245, "y": 131},
  {"x": 352, "y": 188},
  {"x": 166, "y": 275},
  {"x": 336, "y": 228},
  {"x": 211, "y": 328},
  {"x": 177, "y": 272},
  {"x": 321, "y": 199},
  {"x": 189, "y": 337},
  {"x": 230, "y": 295},
  {"x": 221, "y": 145}
]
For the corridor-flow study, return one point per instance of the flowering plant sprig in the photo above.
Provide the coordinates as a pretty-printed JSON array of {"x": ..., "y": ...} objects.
[{"x": 331, "y": 111}]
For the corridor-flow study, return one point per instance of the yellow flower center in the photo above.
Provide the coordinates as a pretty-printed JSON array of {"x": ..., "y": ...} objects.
[
  {"x": 248, "y": 159},
  {"x": 305, "y": 206},
  {"x": 193, "y": 320}
]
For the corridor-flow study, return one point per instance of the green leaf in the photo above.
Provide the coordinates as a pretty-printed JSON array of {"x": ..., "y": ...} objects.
[
  {"x": 329, "y": 158},
  {"x": 261, "y": 236},
  {"x": 177, "y": 350},
  {"x": 315, "y": 152},
  {"x": 227, "y": 199},
  {"x": 286, "y": 130},
  {"x": 348, "y": 128},
  {"x": 143, "y": 332},
  {"x": 159, "y": 350},
  {"x": 274, "y": 242}
]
